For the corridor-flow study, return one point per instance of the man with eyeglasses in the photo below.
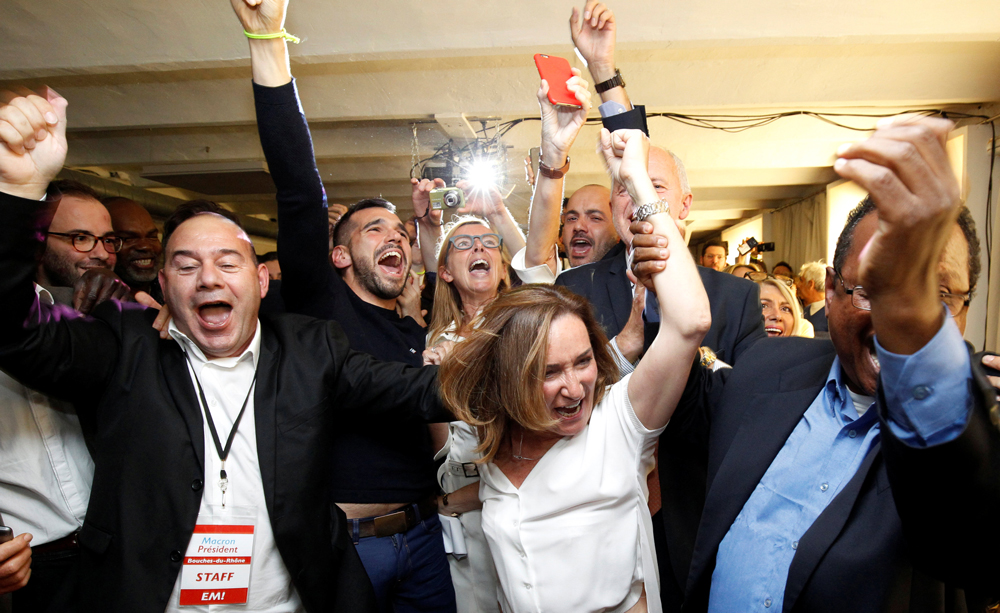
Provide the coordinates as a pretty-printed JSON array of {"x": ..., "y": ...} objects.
[
  {"x": 45, "y": 467},
  {"x": 80, "y": 238},
  {"x": 866, "y": 473}
]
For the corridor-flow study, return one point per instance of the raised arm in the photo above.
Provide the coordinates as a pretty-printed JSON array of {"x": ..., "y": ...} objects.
[
  {"x": 268, "y": 57},
  {"x": 487, "y": 203},
  {"x": 32, "y": 152},
  {"x": 560, "y": 127},
  {"x": 941, "y": 452},
  {"x": 428, "y": 220},
  {"x": 659, "y": 379},
  {"x": 303, "y": 239},
  {"x": 56, "y": 359},
  {"x": 593, "y": 31}
]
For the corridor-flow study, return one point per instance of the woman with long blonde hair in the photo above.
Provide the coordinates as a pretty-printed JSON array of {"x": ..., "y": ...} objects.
[{"x": 473, "y": 265}]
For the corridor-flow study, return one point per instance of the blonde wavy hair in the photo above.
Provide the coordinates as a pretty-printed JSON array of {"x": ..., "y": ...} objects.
[
  {"x": 793, "y": 302},
  {"x": 447, "y": 301}
]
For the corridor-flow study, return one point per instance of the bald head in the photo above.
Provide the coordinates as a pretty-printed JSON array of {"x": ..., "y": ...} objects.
[{"x": 588, "y": 232}]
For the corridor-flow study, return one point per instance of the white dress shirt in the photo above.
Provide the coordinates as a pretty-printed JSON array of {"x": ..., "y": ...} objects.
[
  {"x": 45, "y": 468},
  {"x": 226, "y": 382},
  {"x": 576, "y": 536}
]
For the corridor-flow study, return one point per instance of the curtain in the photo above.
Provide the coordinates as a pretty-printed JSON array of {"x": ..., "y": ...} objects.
[{"x": 799, "y": 231}]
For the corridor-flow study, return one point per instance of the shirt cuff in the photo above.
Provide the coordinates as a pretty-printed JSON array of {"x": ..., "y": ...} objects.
[
  {"x": 927, "y": 395},
  {"x": 630, "y": 120},
  {"x": 536, "y": 274},
  {"x": 624, "y": 366}
]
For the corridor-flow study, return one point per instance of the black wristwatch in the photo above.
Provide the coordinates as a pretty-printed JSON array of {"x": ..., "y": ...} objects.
[{"x": 615, "y": 81}]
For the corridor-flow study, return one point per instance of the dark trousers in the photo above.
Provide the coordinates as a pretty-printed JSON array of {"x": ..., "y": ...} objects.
[
  {"x": 52, "y": 586},
  {"x": 409, "y": 570}
]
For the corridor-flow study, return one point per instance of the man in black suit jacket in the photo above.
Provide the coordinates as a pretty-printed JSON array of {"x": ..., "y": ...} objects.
[
  {"x": 134, "y": 393},
  {"x": 908, "y": 504},
  {"x": 737, "y": 323}
]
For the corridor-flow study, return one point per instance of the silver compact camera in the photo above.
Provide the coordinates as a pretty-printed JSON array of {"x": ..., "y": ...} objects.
[{"x": 447, "y": 197}]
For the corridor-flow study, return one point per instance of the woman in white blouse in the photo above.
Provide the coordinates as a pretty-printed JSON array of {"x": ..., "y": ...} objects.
[
  {"x": 565, "y": 453},
  {"x": 472, "y": 266}
]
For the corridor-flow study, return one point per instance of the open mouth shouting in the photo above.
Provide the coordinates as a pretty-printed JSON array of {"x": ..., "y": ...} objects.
[
  {"x": 392, "y": 262},
  {"x": 214, "y": 315},
  {"x": 580, "y": 246},
  {"x": 480, "y": 267},
  {"x": 570, "y": 411},
  {"x": 774, "y": 330},
  {"x": 872, "y": 355}
]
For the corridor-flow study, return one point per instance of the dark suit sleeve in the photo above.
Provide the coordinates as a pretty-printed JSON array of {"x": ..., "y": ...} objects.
[
  {"x": 947, "y": 495},
  {"x": 65, "y": 357},
  {"x": 751, "y": 323},
  {"x": 376, "y": 391},
  {"x": 303, "y": 235},
  {"x": 693, "y": 415},
  {"x": 629, "y": 120}
]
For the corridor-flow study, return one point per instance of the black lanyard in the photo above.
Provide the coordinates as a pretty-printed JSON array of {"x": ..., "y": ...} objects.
[{"x": 222, "y": 451}]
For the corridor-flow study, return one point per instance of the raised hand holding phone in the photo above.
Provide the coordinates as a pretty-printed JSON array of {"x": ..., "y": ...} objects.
[{"x": 556, "y": 71}]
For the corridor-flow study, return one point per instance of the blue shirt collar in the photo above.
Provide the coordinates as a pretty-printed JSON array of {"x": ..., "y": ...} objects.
[{"x": 838, "y": 400}]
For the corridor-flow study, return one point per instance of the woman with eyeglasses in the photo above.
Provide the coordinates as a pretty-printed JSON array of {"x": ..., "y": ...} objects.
[
  {"x": 472, "y": 271},
  {"x": 782, "y": 314}
]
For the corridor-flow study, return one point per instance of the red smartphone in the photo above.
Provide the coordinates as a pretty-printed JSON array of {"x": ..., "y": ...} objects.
[{"x": 555, "y": 70}]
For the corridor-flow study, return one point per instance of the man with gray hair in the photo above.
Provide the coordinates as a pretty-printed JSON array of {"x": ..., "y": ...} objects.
[
  {"x": 737, "y": 321},
  {"x": 811, "y": 287}
]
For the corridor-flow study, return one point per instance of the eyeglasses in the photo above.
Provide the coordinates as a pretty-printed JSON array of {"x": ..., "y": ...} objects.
[
  {"x": 85, "y": 243},
  {"x": 462, "y": 242},
  {"x": 762, "y": 276},
  {"x": 859, "y": 298},
  {"x": 955, "y": 302}
]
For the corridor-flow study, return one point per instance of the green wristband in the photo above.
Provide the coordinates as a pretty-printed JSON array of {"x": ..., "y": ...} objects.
[{"x": 283, "y": 34}]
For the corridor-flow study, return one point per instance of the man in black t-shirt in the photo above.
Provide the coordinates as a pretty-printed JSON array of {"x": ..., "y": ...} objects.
[{"x": 383, "y": 478}]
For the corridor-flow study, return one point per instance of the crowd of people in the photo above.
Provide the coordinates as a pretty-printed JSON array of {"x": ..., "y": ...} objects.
[{"x": 449, "y": 414}]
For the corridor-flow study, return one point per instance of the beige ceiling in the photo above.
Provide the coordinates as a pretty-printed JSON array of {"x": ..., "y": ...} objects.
[{"x": 155, "y": 84}]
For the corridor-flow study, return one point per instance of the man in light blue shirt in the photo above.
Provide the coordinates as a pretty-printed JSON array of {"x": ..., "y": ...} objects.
[{"x": 815, "y": 501}]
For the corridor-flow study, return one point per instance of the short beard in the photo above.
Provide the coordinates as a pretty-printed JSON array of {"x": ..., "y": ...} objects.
[
  {"x": 367, "y": 275},
  {"x": 601, "y": 249},
  {"x": 58, "y": 271}
]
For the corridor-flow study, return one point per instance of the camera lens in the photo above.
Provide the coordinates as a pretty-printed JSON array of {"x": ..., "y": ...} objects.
[{"x": 451, "y": 199}]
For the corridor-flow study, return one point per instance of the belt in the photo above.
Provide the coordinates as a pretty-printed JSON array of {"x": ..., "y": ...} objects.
[
  {"x": 64, "y": 544},
  {"x": 463, "y": 469},
  {"x": 401, "y": 520}
]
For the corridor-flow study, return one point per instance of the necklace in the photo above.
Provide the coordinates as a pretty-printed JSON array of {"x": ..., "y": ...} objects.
[{"x": 520, "y": 448}]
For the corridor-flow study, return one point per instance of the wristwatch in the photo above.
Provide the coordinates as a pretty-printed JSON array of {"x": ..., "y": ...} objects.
[
  {"x": 652, "y": 208},
  {"x": 553, "y": 173},
  {"x": 613, "y": 82}
]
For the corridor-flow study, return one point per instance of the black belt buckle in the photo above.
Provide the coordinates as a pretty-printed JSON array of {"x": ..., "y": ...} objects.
[
  {"x": 393, "y": 523},
  {"x": 470, "y": 469}
]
